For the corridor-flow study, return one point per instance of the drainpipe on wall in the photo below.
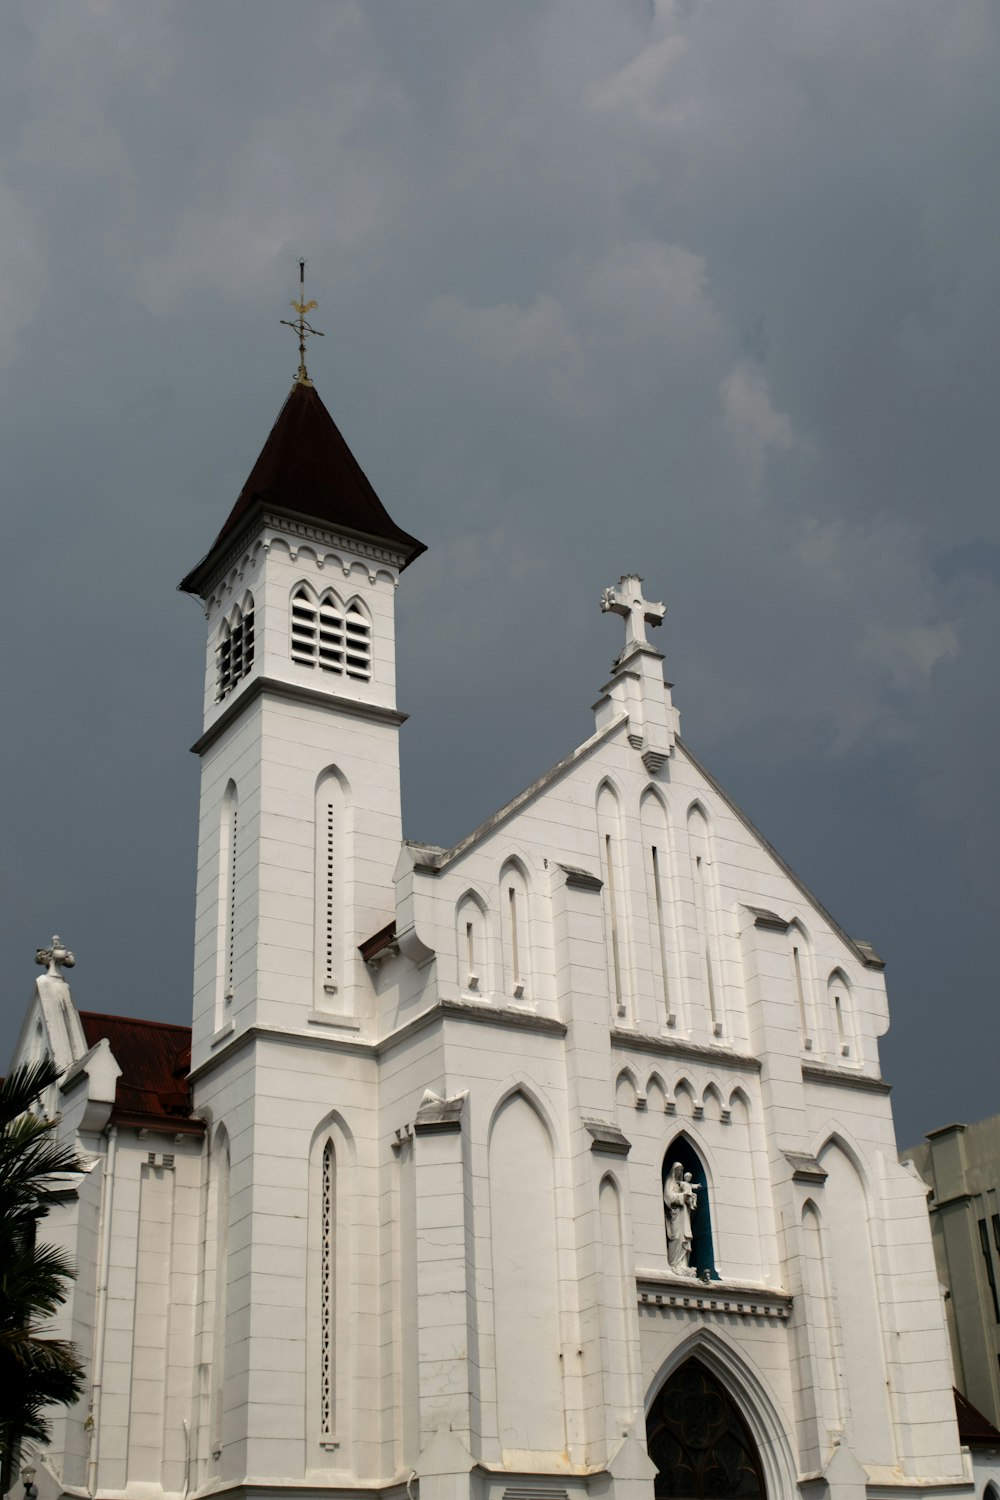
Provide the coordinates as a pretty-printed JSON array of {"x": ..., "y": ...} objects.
[{"x": 101, "y": 1309}]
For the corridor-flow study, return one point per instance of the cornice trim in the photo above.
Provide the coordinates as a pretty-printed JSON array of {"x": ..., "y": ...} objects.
[
  {"x": 818, "y": 1072},
  {"x": 663, "y": 1046},
  {"x": 294, "y": 693}
]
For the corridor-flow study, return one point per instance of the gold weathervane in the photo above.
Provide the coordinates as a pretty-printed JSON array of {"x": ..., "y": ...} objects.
[{"x": 301, "y": 327}]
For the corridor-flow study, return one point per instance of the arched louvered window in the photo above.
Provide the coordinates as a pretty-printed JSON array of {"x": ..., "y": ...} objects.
[
  {"x": 234, "y": 653},
  {"x": 358, "y": 643},
  {"x": 325, "y": 635}
]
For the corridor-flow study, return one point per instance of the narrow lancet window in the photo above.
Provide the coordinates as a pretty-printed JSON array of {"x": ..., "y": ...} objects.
[
  {"x": 698, "y": 838},
  {"x": 801, "y": 974},
  {"x": 328, "y": 1289},
  {"x": 227, "y": 908},
  {"x": 609, "y": 871},
  {"x": 838, "y": 992},
  {"x": 516, "y": 935},
  {"x": 609, "y": 833},
  {"x": 472, "y": 945},
  {"x": 515, "y": 956}
]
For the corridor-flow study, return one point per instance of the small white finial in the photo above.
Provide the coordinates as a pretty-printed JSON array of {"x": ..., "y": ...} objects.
[
  {"x": 626, "y": 600},
  {"x": 57, "y": 957}
]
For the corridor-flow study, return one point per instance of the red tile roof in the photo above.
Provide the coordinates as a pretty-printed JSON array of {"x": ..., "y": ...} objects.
[
  {"x": 155, "y": 1058},
  {"x": 306, "y": 467}
]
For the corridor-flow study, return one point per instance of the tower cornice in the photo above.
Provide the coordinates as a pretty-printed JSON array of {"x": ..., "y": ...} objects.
[{"x": 257, "y": 687}]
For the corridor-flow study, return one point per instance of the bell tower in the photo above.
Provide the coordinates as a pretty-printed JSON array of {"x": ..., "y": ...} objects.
[{"x": 300, "y": 814}]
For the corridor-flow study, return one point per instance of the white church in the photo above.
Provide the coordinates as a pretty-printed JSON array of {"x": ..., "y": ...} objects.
[{"x": 556, "y": 1164}]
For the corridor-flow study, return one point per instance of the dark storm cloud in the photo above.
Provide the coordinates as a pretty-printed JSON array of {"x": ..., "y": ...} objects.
[{"x": 707, "y": 289}]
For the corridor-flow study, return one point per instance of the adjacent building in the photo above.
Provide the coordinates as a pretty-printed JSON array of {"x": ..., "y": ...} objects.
[{"x": 961, "y": 1166}]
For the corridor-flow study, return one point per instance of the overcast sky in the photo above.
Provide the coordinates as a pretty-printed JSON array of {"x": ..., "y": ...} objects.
[{"x": 706, "y": 290}]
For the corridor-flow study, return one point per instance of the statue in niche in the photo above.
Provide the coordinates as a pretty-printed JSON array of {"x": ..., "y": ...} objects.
[{"x": 680, "y": 1199}]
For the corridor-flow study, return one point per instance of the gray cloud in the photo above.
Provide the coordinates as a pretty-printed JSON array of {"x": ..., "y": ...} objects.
[{"x": 703, "y": 289}]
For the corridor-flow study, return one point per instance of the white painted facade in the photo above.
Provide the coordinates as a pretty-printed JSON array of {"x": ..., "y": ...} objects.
[{"x": 419, "y": 1247}]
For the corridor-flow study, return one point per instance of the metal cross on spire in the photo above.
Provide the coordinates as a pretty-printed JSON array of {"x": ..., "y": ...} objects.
[
  {"x": 626, "y": 600},
  {"x": 301, "y": 327}
]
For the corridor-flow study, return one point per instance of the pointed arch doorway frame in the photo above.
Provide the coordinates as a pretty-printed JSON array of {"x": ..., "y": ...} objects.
[{"x": 752, "y": 1401}]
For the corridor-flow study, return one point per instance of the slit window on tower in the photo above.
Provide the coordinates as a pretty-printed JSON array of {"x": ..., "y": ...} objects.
[
  {"x": 328, "y": 1307},
  {"x": 330, "y": 936},
  {"x": 234, "y": 654}
]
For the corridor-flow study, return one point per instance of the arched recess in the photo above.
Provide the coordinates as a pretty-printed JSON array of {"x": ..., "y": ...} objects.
[
  {"x": 656, "y": 1093},
  {"x": 856, "y": 1314},
  {"x": 803, "y": 979},
  {"x": 659, "y": 901},
  {"x": 609, "y": 831},
  {"x": 683, "y": 1097},
  {"x": 702, "y": 1247},
  {"x": 817, "y": 1369},
  {"x": 331, "y": 1270},
  {"x": 616, "y": 1304},
  {"x": 333, "y": 916},
  {"x": 840, "y": 1011},
  {"x": 472, "y": 944},
  {"x": 755, "y": 1404},
  {"x": 711, "y": 1101},
  {"x": 515, "y": 928},
  {"x": 626, "y": 1089},
  {"x": 524, "y": 1252},
  {"x": 705, "y": 903},
  {"x": 226, "y": 920}
]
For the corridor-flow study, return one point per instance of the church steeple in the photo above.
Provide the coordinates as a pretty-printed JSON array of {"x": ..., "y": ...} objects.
[
  {"x": 306, "y": 469},
  {"x": 300, "y": 756}
]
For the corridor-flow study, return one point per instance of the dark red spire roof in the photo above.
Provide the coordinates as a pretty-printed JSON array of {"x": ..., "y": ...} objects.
[{"x": 306, "y": 467}]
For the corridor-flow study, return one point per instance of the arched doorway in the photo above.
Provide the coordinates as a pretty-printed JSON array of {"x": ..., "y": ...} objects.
[{"x": 700, "y": 1442}]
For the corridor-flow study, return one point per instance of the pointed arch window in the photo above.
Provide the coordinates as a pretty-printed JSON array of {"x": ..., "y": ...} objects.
[
  {"x": 839, "y": 994},
  {"x": 514, "y": 924},
  {"x": 235, "y": 651},
  {"x": 325, "y": 635},
  {"x": 358, "y": 643}
]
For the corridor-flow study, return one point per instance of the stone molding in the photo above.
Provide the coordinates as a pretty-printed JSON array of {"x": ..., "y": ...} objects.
[
  {"x": 481, "y": 1014},
  {"x": 297, "y": 694},
  {"x": 818, "y": 1072},
  {"x": 805, "y": 1168},
  {"x": 607, "y": 1138},
  {"x": 721, "y": 1298},
  {"x": 665, "y": 1046}
]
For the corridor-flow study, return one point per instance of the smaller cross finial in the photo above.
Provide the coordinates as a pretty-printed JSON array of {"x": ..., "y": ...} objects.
[
  {"x": 301, "y": 327},
  {"x": 626, "y": 600},
  {"x": 56, "y": 958}
]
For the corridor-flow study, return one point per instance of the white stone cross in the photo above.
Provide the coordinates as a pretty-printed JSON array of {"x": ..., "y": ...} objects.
[
  {"x": 55, "y": 958},
  {"x": 626, "y": 600}
]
